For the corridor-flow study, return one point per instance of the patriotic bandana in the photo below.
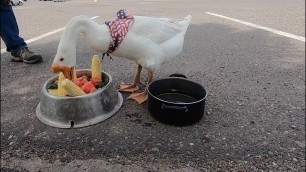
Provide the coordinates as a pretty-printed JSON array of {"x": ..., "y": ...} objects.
[{"x": 118, "y": 28}]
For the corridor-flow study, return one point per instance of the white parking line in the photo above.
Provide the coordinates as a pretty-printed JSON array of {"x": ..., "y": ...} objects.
[
  {"x": 44, "y": 35},
  {"x": 22, "y": 8},
  {"x": 289, "y": 35}
]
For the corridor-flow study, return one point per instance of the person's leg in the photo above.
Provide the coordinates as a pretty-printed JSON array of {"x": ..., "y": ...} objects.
[
  {"x": 9, "y": 33},
  {"x": 9, "y": 29}
]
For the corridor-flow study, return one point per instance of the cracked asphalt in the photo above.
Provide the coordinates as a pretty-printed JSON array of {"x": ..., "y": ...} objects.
[{"x": 254, "y": 114}]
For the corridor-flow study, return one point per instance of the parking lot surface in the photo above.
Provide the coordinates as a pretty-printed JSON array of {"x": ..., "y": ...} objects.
[{"x": 249, "y": 55}]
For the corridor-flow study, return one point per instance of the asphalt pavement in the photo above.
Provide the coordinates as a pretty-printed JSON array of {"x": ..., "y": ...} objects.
[{"x": 254, "y": 114}]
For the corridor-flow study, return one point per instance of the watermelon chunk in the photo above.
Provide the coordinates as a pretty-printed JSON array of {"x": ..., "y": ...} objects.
[
  {"x": 81, "y": 81},
  {"x": 87, "y": 87},
  {"x": 93, "y": 89},
  {"x": 78, "y": 83},
  {"x": 95, "y": 80}
]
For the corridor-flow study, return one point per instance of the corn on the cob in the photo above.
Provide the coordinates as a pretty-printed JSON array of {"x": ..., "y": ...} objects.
[
  {"x": 96, "y": 68},
  {"x": 71, "y": 88},
  {"x": 54, "y": 92},
  {"x": 61, "y": 90}
]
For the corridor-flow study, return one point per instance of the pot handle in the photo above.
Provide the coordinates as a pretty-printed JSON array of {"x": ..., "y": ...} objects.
[
  {"x": 173, "y": 107},
  {"x": 178, "y": 75}
]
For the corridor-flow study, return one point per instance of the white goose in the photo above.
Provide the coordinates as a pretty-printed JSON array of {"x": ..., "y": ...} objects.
[{"x": 149, "y": 42}]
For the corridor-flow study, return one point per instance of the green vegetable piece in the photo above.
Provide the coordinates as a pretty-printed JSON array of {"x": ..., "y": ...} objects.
[
  {"x": 88, "y": 78},
  {"x": 53, "y": 86},
  {"x": 102, "y": 84}
]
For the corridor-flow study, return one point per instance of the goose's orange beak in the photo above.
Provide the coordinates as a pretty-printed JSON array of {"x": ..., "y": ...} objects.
[{"x": 67, "y": 71}]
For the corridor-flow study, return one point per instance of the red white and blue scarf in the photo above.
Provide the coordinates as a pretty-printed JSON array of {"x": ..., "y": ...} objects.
[{"x": 118, "y": 28}]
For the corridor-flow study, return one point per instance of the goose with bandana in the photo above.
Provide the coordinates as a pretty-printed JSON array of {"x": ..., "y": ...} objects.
[{"x": 148, "y": 41}]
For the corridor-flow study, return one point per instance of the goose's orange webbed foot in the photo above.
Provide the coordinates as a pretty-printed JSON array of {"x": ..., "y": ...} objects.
[
  {"x": 132, "y": 87},
  {"x": 129, "y": 87},
  {"x": 139, "y": 96}
]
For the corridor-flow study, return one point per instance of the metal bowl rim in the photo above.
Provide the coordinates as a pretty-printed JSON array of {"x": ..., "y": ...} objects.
[{"x": 99, "y": 91}]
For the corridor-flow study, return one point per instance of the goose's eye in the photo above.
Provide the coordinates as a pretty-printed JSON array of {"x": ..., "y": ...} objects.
[{"x": 61, "y": 59}]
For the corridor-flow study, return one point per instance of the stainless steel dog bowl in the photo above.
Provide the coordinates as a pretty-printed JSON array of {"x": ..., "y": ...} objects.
[{"x": 80, "y": 111}]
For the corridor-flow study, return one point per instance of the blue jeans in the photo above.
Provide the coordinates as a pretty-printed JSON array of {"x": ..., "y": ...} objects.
[{"x": 9, "y": 31}]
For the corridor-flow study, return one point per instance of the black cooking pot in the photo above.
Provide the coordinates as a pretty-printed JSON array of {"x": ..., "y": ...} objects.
[{"x": 176, "y": 100}]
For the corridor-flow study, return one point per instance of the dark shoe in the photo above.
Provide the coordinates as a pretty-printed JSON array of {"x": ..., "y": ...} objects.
[{"x": 26, "y": 56}]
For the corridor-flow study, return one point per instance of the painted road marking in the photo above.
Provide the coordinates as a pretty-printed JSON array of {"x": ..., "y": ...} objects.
[
  {"x": 289, "y": 35},
  {"x": 44, "y": 35},
  {"x": 22, "y": 8}
]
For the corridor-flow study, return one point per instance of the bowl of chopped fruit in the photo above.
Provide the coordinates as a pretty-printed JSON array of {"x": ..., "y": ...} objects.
[{"x": 89, "y": 98}]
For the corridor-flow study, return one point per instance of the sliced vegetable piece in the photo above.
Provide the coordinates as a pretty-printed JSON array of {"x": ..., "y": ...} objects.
[
  {"x": 71, "y": 88},
  {"x": 61, "y": 90},
  {"x": 53, "y": 86},
  {"x": 93, "y": 89},
  {"x": 87, "y": 87},
  {"x": 74, "y": 75},
  {"x": 95, "y": 80},
  {"x": 54, "y": 92},
  {"x": 96, "y": 68}
]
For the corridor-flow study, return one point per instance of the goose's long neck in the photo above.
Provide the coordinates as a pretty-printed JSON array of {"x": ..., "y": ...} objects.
[{"x": 97, "y": 36}]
